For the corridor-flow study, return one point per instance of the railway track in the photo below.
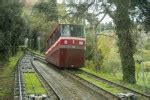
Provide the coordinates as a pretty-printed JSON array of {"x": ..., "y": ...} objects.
[
  {"x": 100, "y": 90},
  {"x": 132, "y": 92},
  {"x": 66, "y": 87},
  {"x": 18, "y": 89},
  {"x": 87, "y": 84},
  {"x": 125, "y": 89},
  {"x": 50, "y": 89},
  {"x": 26, "y": 69}
]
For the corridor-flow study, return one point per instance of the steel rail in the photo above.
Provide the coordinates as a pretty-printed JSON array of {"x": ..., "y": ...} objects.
[
  {"x": 115, "y": 97},
  {"x": 19, "y": 79},
  {"x": 116, "y": 84},
  {"x": 105, "y": 92},
  {"x": 38, "y": 72}
]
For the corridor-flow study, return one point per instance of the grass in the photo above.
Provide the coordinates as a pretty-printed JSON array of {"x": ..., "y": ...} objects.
[
  {"x": 118, "y": 79},
  {"x": 10, "y": 66},
  {"x": 115, "y": 74},
  {"x": 7, "y": 75},
  {"x": 101, "y": 85},
  {"x": 32, "y": 84},
  {"x": 104, "y": 75}
]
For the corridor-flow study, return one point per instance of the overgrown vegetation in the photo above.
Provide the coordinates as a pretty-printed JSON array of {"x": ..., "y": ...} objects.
[
  {"x": 111, "y": 67},
  {"x": 117, "y": 77},
  {"x": 40, "y": 19},
  {"x": 12, "y": 26},
  {"x": 7, "y": 75},
  {"x": 117, "y": 50},
  {"x": 106, "y": 87},
  {"x": 32, "y": 84},
  {"x": 123, "y": 14}
]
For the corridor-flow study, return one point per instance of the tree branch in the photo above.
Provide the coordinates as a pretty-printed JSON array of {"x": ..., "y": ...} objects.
[
  {"x": 108, "y": 11},
  {"x": 100, "y": 20}
]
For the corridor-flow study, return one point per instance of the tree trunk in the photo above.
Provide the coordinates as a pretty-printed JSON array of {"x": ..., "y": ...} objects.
[{"x": 126, "y": 44}]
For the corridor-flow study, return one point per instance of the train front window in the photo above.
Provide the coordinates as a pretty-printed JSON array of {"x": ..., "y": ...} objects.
[
  {"x": 65, "y": 30},
  {"x": 72, "y": 30},
  {"x": 76, "y": 31}
]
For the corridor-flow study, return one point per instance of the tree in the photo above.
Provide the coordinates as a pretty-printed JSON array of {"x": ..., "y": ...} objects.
[
  {"x": 48, "y": 8},
  {"x": 147, "y": 44},
  {"x": 143, "y": 15},
  {"x": 119, "y": 11},
  {"x": 126, "y": 47},
  {"x": 89, "y": 45},
  {"x": 44, "y": 16},
  {"x": 11, "y": 26}
]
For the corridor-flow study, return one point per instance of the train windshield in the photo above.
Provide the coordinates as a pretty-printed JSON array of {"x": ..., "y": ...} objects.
[{"x": 72, "y": 30}]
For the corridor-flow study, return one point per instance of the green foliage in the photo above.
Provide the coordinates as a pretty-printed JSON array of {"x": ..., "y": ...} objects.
[
  {"x": 109, "y": 76},
  {"x": 49, "y": 9},
  {"x": 147, "y": 45},
  {"x": 144, "y": 16},
  {"x": 89, "y": 45},
  {"x": 32, "y": 84},
  {"x": 7, "y": 71},
  {"x": 39, "y": 27},
  {"x": 112, "y": 66},
  {"x": 109, "y": 50},
  {"x": 105, "y": 86},
  {"x": 105, "y": 44},
  {"x": 62, "y": 14},
  {"x": 123, "y": 15},
  {"x": 90, "y": 64},
  {"x": 117, "y": 78},
  {"x": 12, "y": 25},
  {"x": 44, "y": 16},
  {"x": 11, "y": 65},
  {"x": 147, "y": 66},
  {"x": 146, "y": 55}
]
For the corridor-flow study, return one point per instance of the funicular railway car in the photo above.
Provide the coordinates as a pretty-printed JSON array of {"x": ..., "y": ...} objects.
[{"x": 66, "y": 46}]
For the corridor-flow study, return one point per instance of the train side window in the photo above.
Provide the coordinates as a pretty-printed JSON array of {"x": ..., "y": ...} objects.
[
  {"x": 50, "y": 42},
  {"x": 58, "y": 32},
  {"x": 53, "y": 39}
]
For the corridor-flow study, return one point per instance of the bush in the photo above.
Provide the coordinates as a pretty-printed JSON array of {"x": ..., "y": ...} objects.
[
  {"x": 111, "y": 66},
  {"x": 147, "y": 66},
  {"x": 146, "y": 55},
  {"x": 147, "y": 45},
  {"x": 89, "y": 64}
]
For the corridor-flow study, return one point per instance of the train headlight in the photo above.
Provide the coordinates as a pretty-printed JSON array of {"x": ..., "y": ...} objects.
[
  {"x": 80, "y": 42},
  {"x": 65, "y": 42}
]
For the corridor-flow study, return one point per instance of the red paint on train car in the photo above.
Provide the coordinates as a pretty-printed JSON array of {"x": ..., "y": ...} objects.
[
  {"x": 67, "y": 52},
  {"x": 71, "y": 58}
]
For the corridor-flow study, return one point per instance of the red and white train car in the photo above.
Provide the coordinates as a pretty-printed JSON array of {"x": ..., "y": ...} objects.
[{"x": 66, "y": 46}]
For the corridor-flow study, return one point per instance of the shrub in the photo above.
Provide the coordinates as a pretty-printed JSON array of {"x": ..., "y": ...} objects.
[
  {"x": 111, "y": 66},
  {"x": 147, "y": 66},
  {"x": 89, "y": 64}
]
